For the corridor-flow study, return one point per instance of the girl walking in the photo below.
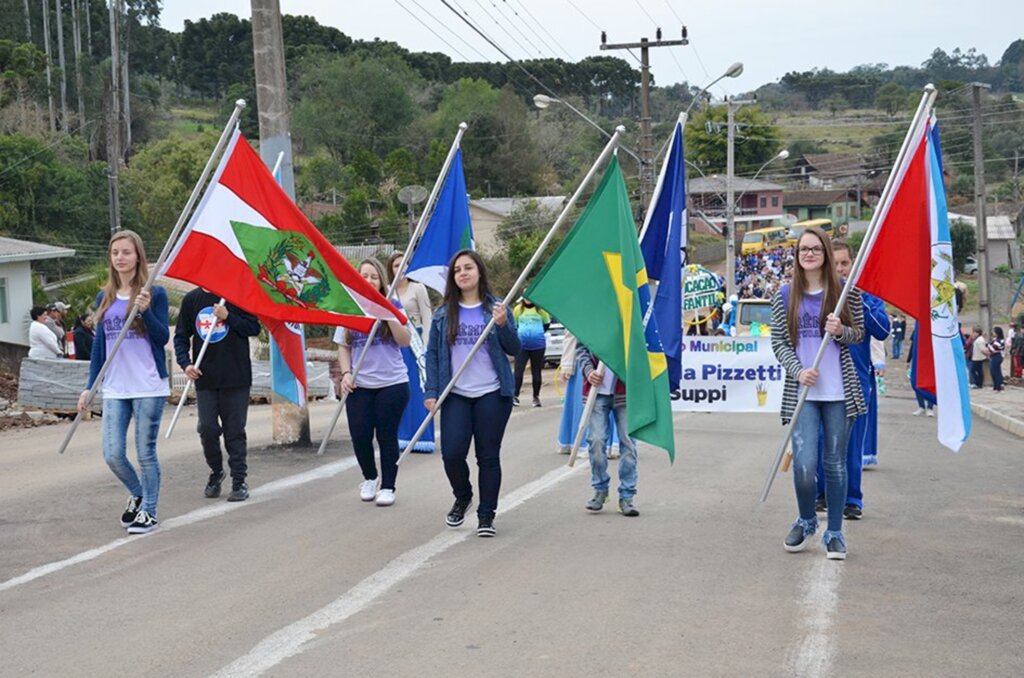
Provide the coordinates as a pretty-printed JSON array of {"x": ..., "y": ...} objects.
[
  {"x": 480, "y": 403},
  {"x": 531, "y": 323},
  {"x": 377, "y": 396},
  {"x": 416, "y": 304},
  {"x": 801, "y": 315},
  {"x": 135, "y": 383}
]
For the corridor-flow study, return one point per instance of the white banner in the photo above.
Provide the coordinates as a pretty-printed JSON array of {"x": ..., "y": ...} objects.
[{"x": 729, "y": 374}]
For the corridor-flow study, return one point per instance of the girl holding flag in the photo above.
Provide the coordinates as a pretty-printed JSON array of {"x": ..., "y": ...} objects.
[
  {"x": 479, "y": 405},
  {"x": 801, "y": 315},
  {"x": 376, "y": 396},
  {"x": 416, "y": 304},
  {"x": 135, "y": 383}
]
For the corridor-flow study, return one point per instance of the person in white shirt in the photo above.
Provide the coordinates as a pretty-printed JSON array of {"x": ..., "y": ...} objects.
[{"x": 42, "y": 343}]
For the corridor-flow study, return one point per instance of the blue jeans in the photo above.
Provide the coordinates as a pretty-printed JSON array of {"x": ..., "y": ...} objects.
[
  {"x": 482, "y": 421},
  {"x": 897, "y": 347},
  {"x": 831, "y": 415},
  {"x": 147, "y": 413},
  {"x": 598, "y": 437},
  {"x": 995, "y": 366}
]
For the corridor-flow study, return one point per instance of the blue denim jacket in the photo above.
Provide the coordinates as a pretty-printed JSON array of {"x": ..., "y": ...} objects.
[{"x": 500, "y": 341}]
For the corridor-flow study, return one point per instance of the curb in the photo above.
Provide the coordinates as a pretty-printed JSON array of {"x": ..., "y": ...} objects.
[{"x": 1005, "y": 422}]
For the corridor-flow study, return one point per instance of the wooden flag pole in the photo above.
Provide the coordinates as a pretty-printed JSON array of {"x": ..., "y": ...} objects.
[
  {"x": 920, "y": 118},
  {"x": 514, "y": 292},
  {"x": 155, "y": 270},
  {"x": 588, "y": 411},
  {"x": 398, "y": 276}
]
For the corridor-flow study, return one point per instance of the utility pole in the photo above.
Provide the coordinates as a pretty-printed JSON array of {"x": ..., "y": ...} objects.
[
  {"x": 49, "y": 66},
  {"x": 646, "y": 151},
  {"x": 114, "y": 121},
  {"x": 979, "y": 212},
  {"x": 290, "y": 420},
  {"x": 730, "y": 201},
  {"x": 63, "y": 68}
]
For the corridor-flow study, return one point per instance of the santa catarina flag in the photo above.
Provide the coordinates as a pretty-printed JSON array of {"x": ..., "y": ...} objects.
[
  {"x": 249, "y": 243},
  {"x": 909, "y": 263},
  {"x": 596, "y": 285}
]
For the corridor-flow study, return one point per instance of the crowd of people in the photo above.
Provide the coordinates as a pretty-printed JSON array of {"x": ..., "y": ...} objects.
[{"x": 761, "y": 274}]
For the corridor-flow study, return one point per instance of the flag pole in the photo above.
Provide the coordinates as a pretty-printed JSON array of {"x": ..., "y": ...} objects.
[
  {"x": 188, "y": 384},
  {"x": 398, "y": 276},
  {"x": 588, "y": 412},
  {"x": 154, "y": 270},
  {"x": 514, "y": 292},
  {"x": 920, "y": 118}
]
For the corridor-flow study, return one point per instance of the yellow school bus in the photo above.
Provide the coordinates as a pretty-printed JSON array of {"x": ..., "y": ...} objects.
[
  {"x": 762, "y": 239},
  {"x": 797, "y": 229}
]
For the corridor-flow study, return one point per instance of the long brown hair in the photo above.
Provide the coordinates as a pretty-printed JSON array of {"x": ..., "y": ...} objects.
[
  {"x": 832, "y": 287},
  {"x": 395, "y": 256},
  {"x": 384, "y": 332},
  {"x": 137, "y": 282},
  {"x": 452, "y": 293}
]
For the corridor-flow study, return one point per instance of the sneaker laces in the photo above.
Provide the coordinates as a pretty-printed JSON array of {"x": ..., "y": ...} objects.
[
  {"x": 133, "y": 504},
  {"x": 143, "y": 517}
]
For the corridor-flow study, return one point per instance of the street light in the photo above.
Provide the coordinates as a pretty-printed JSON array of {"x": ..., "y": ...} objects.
[
  {"x": 733, "y": 71},
  {"x": 542, "y": 101}
]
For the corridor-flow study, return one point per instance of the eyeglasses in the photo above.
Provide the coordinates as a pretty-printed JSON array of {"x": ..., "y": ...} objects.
[{"x": 816, "y": 250}]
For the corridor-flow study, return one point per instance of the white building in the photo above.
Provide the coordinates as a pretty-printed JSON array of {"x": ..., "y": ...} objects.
[{"x": 16, "y": 257}]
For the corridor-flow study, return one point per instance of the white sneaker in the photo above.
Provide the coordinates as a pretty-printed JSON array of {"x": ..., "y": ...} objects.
[
  {"x": 368, "y": 490},
  {"x": 385, "y": 498},
  {"x": 918, "y": 412},
  {"x": 931, "y": 413}
]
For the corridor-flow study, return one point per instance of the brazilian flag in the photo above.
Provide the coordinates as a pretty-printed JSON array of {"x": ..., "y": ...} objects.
[{"x": 596, "y": 285}]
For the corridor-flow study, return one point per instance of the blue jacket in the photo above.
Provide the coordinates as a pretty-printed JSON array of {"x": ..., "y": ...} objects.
[
  {"x": 876, "y": 325},
  {"x": 157, "y": 329},
  {"x": 499, "y": 342}
]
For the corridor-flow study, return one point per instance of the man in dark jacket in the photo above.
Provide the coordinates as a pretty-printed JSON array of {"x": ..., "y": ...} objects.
[{"x": 222, "y": 382}]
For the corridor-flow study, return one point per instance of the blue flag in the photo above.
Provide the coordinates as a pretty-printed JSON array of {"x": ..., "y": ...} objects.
[
  {"x": 662, "y": 241},
  {"x": 448, "y": 231}
]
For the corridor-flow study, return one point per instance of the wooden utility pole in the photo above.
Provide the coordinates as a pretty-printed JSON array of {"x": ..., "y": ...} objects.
[
  {"x": 114, "y": 121},
  {"x": 979, "y": 212},
  {"x": 290, "y": 421},
  {"x": 76, "y": 45},
  {"x": 28, "y": 24},
  {"x": 63, "y": 67},
  {"x": 647, "y": 177}
]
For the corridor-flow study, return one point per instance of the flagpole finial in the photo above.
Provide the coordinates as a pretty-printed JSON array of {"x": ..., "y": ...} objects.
[
  {"x": 463, "y": 126},
  {"x": 240, "y": 103},
  {"x": 621, "y": 129},
  {"x": 930, "y": 87}
]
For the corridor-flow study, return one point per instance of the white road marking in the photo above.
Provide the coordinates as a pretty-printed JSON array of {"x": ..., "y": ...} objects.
[
  {"x": 259, "y": 494},
  {"x": 291, "y": 640},
  {"x": 814, "y": 652}
]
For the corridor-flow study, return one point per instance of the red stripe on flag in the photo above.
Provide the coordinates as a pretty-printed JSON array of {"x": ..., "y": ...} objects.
[
  {"x": 290, "y": 345},
  {"x": 898, "y": 266}
]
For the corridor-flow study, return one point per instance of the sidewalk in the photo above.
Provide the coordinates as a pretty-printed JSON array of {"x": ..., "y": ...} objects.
[{"x": 1004, "y": 409}]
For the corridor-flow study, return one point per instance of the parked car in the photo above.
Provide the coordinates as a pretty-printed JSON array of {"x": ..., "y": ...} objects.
[
  {"x": 553, "y": 340},
  {"x": 971, "y": 265}
]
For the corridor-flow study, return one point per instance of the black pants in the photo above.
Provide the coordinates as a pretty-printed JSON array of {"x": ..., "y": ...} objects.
[
  {"x": 483, "y": 420},
  {"x": 978, "y": 372},
  {"x": 536, "y": 358},
  {"x": 377, "y": 410},
  {"x": 224, "y": 410}
]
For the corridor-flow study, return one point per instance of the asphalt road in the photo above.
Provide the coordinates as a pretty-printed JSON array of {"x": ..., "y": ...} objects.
[{"x": 306, "y": 580}]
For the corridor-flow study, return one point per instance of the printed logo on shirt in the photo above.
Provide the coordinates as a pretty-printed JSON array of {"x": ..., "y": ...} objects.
[
  {"x": 469, "y": 333},
  {"x": 112, "y": 327},
  {"x": 205, "y": 321},
  {"x": 809, "y": 325}
]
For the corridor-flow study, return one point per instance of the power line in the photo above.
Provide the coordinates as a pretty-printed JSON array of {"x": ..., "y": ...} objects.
[
  {"x": 544, "y": 29},
  {"x": 436, "y": 35},
  {"x": 511, "y": 23}
]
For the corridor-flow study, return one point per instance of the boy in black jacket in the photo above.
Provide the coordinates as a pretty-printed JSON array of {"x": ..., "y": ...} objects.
[{"x": 222, "y": 383}]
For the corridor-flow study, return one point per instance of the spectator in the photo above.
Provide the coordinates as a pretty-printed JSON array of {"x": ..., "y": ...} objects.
[
  {"x": 995, "y": 359},
  {"x": 84, "y": 333},
  {"x": 1017, "y": 353},
  {"x": 899, "y": 330},
  {"x": 41, "y": 341},
  {"x": 979, "y": 356}
]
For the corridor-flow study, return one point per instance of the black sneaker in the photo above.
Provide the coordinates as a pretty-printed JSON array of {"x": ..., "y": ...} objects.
[
  {"x": 458, "y": 512},
  {"x": 485, "y": 527},
  {"x": 240, "y": 492},
  {"x": 835, "y": 549},
  {"x": 536, "y": 402},
  {"x": 142, "y": 524},
  {"x": 796, "y": 540},
  {"x": 515, "y": 401},
  {"x": 130, "y": 511},
  {"x": 852, "y": 512},
  {"x": 212, "y": 490},
  {"x": 820, "y": 506}
]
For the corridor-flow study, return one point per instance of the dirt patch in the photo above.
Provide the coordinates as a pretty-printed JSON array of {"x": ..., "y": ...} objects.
[{"x": 9, "y": 386}]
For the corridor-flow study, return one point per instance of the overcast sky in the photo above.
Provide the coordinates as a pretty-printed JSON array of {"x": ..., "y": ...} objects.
[{"x": 771, "y": 37}]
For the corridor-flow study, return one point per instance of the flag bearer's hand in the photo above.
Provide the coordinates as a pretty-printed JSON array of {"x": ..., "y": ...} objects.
[
  {"x": 596, "y": 377},
  {"x": 347, "y": 383},
  {"x": 808, "y": 377},
  {"x": 833, "y": 326},
  {"x": 83, "y": 402},
  {"x": 193, "y": 372},
  {"x": 500, "y": 314},
  {"x": 220, "y": 311},
  {"x": 429, "y": 403},
  {"x": 142, "y": 300}
]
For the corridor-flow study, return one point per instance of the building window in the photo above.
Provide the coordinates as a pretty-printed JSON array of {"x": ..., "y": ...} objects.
[
  {"x": 3, "y": 301},
  {"x": 839, "y": 210},
  {"x": 775, "y": 201},
  {"x": 764, "y": 201}
]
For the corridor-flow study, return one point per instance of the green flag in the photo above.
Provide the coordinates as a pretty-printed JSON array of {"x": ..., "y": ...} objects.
[{"x": 596, "y": 285}]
